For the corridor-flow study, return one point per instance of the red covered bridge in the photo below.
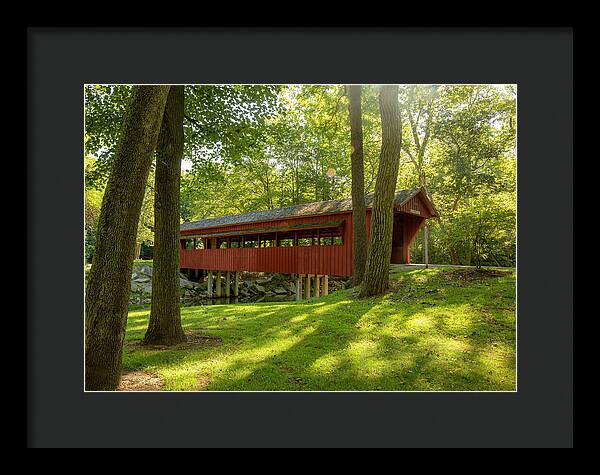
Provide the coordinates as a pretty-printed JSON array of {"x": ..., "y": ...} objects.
[{"x": 312, "y": 239}]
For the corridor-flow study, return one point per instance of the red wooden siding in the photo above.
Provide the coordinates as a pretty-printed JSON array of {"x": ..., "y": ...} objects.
[
  {"x": 412, "y": 225},
  {"x": 415, "y": 206},
  {"x": 322, "y": 260}
]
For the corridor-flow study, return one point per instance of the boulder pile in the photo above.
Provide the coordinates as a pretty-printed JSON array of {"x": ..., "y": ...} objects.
[{"x": 252, "y": 286}]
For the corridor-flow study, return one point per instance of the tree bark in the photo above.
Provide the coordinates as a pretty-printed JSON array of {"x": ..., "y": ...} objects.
[
  {"x": 359, "y": 219},
  {"x": 382, "y": 216},
  {"x": 165, "y": 327},
  {"x": 426, "y": 245},
  {"x": 107, "y": 292},
  {"x": 138, "y": 250}
]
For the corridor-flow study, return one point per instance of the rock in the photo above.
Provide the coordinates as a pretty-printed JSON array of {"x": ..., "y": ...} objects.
[
  {"x": 142, "y": 278},
  {"x": 279, "y": 297},
  {"x": 257, "y": 288},
  {"x": 147, "y": 270},
  {"x": 188, "y": 284},
  {"x": 135, "y": 287},
  {"x": 290, "y": 287},
  {"x": 139, "y": 287}
]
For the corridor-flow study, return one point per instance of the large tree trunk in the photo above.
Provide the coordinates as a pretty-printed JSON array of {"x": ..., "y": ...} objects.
[
  {"x": 359, "y": 218},
  {"x": 107, "y": 292},
  {"x": 165, "y": 327},
  {"x": 382, "y": 217}
]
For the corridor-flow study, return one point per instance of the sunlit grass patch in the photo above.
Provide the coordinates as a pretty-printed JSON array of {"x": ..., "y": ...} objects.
[{"x": 426, "y": 334}]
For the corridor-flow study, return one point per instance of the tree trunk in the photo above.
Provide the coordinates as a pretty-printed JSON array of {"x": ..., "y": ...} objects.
[
  {"x": 359, "y": 219},
  {"x": 382, "y": 216},
  {"x": 454, "y": 260},
  {"x": 426, "y": 245},
  {"x": 165, "y": 327},
  {"x": 107, "y": 292},
  {"x": 138, "y": 250}
]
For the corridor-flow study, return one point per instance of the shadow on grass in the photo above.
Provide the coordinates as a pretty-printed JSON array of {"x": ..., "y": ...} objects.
[{"x": 427, "y": 335}]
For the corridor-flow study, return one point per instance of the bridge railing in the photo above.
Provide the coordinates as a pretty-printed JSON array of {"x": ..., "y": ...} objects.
[{"x": 322, "y": 260}]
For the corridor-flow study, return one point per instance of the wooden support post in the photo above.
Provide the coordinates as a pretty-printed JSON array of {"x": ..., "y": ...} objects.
[
  {"x": 236, "y": 284},
  {"x": 325, "y": 285},
  {"x": 218, "y": 286},
  {"x": 298, "y": 287},
  {"x": 227, "y": 284},
  {"x": 426, "y": 245},
  {"x": 307, "y": 289},
  {"x": 210, "y": 283},
  {"x": 317, "y": 286}
]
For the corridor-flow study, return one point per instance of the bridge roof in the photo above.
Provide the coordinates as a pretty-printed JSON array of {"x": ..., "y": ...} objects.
[{"x": 294, "y": 211}]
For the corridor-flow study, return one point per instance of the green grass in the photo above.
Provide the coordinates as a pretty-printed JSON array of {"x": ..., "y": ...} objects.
[
  {"x": 430, "y": 334},
  {"x": 142, "y": 262}
]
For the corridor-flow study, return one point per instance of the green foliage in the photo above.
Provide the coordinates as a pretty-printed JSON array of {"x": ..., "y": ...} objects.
[
  {"x": 145, "y": 232},
  {"x": 222, "y": 122},
  {"x": 473, "y": 132},
  {"x": 93, "y": 203},
  {"x": 224, "y": 125},
  {"x": 225, "y": 122},
  {"x": 94, "y": 193},
  {"x": 468, "y": 167},
  {"x": 480, "y": 233},
  {"x": 90, "y": 245},
  {"x": 251, "y": 148},
  {"x": 105, "y": 107},
  {"x": 302, "y": 154}
]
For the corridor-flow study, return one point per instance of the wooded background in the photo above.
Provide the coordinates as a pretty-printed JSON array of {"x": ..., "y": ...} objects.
[{"x": 256, "y": 147}]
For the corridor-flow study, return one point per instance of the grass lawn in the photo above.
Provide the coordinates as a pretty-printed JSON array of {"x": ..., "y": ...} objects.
[
  {"x": 142, "y": 262},
  {"x": 436, "y": 330}
]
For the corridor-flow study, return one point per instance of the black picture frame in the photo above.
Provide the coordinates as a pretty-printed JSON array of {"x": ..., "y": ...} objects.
[{"x": 61, "y": 60}]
